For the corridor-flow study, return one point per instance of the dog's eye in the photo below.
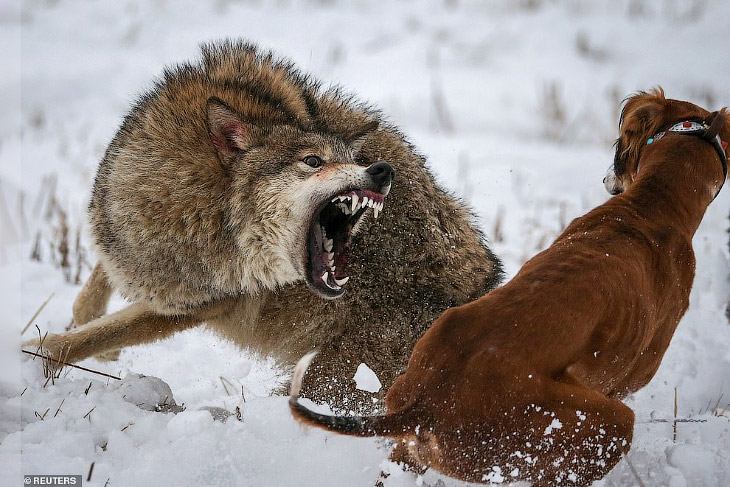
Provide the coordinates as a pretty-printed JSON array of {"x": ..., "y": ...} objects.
[{"x": 313, "y": 161}]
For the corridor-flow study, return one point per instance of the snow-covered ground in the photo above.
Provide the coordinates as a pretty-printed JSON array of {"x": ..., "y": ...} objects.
[{"x": 515, "y": 104}]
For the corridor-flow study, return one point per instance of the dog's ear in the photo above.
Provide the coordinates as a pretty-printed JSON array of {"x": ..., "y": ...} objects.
[
  {"x": 229, "y": 134},
  {"x": 641, "y": 118},
  {"x": 725, "y": 131}
]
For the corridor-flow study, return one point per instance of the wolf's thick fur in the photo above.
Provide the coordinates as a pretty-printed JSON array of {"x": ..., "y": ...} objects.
[
  {"x": 525, "y": 383},
  {"x": 189, "y": 234}
]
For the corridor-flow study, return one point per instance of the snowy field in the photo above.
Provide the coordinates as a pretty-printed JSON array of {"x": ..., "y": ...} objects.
[{"x": 514, "y": 102}]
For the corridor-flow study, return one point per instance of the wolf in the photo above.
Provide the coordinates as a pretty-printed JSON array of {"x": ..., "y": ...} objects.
[{"x": 240, "y": 195}]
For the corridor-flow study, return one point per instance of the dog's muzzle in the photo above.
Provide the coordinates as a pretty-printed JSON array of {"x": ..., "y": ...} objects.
[{"x": 612, "y": 183}]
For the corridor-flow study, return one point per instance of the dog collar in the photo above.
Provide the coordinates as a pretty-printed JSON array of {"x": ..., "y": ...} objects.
[{"x": 704, "y": 131}]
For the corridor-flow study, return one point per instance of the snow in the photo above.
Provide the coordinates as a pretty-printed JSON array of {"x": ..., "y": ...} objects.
[
  {"x": 513, "y": 102},
  {"x": 554, "y": 425},
  {"x": 366, "y": 380}
]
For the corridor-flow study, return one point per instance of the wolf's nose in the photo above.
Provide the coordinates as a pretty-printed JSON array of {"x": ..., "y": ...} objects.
[{"x": 382, "y": 173}]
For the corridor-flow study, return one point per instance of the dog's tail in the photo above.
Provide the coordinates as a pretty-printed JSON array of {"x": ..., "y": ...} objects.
[{"x": 392, "y": 425}]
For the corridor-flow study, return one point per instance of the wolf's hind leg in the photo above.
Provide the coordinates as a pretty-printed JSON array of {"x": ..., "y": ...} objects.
[
  {"x": 134, "y": 325},
  {"x": 91, "y": 304},
  {"x": 93, "y": 298}
]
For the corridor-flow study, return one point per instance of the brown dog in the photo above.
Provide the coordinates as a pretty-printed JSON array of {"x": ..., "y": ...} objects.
[{"x": 525, "y": 383}]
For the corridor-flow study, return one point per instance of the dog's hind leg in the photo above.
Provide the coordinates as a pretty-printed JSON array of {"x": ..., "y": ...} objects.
[
  {"x": 584, "y": 435},
  {"x": 93, "y": 298},
  {"x": 134, "y": 325},
  {"x": 402, "y": 456}
]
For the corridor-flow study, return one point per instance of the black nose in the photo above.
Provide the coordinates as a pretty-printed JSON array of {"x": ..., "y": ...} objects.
[{"x": 382, "y": 173}]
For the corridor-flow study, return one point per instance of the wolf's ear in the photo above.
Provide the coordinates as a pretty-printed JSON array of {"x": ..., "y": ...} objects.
[
  {"x": 228, "y": 132},
  {"x": 358, "y": 137}
]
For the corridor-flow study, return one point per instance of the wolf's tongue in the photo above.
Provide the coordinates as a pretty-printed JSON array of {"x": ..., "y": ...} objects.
[{"x": 341, "y": 248}]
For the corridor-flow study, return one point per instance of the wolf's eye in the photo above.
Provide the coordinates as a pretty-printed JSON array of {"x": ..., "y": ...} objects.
[{"x": 313, "y": 161}]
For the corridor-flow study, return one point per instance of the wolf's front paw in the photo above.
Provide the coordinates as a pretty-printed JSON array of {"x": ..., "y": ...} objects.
[{"x": 52, "y": 347}]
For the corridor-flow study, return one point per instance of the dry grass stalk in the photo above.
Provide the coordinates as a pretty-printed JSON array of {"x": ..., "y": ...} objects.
[
  {"x": 59, "y": 407},
  {"x": 441, "y": 109},
  {"x": 61, "y": 241},
  {"x": 71, "y": 259},
  {"x": 497, "y": 234},
  {"x": 224, "y": 381},
  {"x": 88, "y": 415},
  {"x": 553, "y": 111},
  {"x": 42, "y": 417},
  {"x": 674, "y": 427},
  {"x": 35, "y": 253},
  {"x": 37, "y": 313},
  {"x": 678, "y": 420},
  {"x": 75, "y": 366}
]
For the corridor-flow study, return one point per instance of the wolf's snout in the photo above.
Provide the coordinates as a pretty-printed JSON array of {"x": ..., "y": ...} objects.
[{"x": 382, "y": 174}]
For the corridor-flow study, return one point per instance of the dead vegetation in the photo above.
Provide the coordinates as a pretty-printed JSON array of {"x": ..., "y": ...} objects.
[
  {"x": 553, "y": 111},
  {"x": 57, "y": 239},
  {"x": 54, "y": 367}
]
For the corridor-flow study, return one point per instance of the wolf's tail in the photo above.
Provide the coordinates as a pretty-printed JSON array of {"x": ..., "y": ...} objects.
[{"x": 393, "y": 425}]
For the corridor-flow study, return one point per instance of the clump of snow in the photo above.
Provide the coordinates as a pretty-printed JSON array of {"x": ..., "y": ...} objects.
[
  {"x": 697, "y": 462},
  {"x": 150, "y": 393},
  {"x": 554, "y": 425},
  {"x": 495, "y": 476},
  {"x": 366, "y": 380}
]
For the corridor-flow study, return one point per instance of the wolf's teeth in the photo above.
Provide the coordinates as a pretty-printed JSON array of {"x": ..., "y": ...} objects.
[
  {"x": 334, "y": 286},
  {"x": 375, "y": 212},
  {"x": 343, "y": 281},
  {"x": 365, "y": 201},
  {"x": 328, "y": 244},
  {"x": 354, "y": 203},
  {"x": 324, "y": 277}
]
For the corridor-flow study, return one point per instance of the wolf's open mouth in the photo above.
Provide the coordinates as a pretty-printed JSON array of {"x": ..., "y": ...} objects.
[{"x": 328, "y": 243}]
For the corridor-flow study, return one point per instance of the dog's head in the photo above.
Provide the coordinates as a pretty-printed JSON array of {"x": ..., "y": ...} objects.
[
  {"x": 643, "y": 115},
  {"x": 296, "y": 198}
]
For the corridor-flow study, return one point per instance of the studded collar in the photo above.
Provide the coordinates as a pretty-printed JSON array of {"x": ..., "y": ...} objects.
[{"x": 702, "y": 130}]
